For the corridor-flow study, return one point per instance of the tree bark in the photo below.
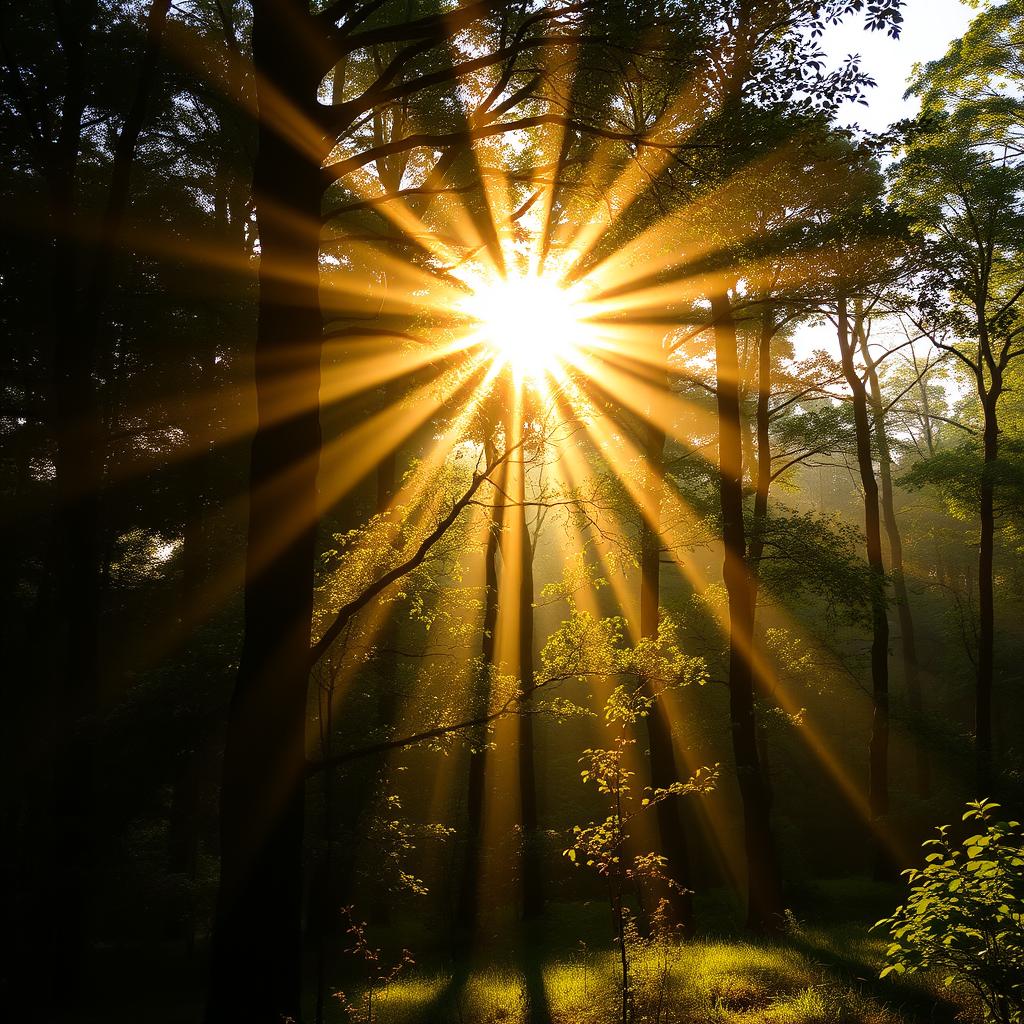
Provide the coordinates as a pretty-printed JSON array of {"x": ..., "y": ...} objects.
[
  {"x": 908, "y": 642},
  {"x": 664, "y": 769},
  {"x": 522, "y": 561},
  {"x": 986, "y": 601},
  {"x": 76, "y": 551},
  {"x": 878, "y": 750},
  {"x": 80, "y": 295},
  {"x": 468, "y": 907},
  {"x": 256, "y": 943},
  {"x": 764, "y": 887}
]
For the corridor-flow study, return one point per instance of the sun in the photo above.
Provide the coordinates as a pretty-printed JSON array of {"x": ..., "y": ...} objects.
[{"x": 531, "y": 323}]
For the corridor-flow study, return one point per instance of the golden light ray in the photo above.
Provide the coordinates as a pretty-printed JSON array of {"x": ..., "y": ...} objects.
[
  {"x": 401, "y": 215},
  {"x": 560, "y": 344},
  {"x": 552, "y": 148},
  {"x": 726, "y": 845},
  {"x": 354, "y": 453},
  {"x": 767, "y": 681},
  {"x": 666, "y": 410},
  {"x": 685, "y": 238},
  {"x": 623, "y": 186}
]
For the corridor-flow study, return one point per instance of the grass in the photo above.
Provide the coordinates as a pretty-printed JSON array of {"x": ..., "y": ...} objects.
[
  {"x": 823, "y": 973},
  {"x": 710, "y": 982}
]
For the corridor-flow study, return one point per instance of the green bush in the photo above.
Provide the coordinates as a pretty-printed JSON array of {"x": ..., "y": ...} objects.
[{"x": 965, "y": 914}]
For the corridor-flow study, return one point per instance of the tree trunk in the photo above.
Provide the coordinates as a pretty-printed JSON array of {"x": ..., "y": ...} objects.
[
  {"x": 878, "y": 751},
  {"x": 533, "y": 888},
  {"x": 664, "y": 769},
  {"x": 78, "y": 322},
  {"x": 762, "y": 486},
  {"x": 77, "y": 568},
  {"x": 467, "y": 910},
  {"x": 764, "y": 905},
  {"x": 986, "y": 602},
  {"x": 908, "y": 643},
  {"x": 256, "y": 944}
]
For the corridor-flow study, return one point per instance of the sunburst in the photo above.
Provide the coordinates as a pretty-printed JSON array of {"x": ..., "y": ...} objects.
[{"x": 531, "y": 324}]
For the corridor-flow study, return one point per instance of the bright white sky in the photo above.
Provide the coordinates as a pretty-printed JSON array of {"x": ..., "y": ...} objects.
[{"x": 929, "y": 26}]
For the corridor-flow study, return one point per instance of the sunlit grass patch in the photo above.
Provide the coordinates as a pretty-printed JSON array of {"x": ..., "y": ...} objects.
[
  {"x": 402, "y": 999},
  {"x": 816, "y": 977},
  {"x": 494, "y": 997}
]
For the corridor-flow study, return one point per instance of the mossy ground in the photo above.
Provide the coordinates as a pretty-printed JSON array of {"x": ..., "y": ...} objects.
[
  {"x": 565, "y": 971},
  {"x": 806, "y": 981}
]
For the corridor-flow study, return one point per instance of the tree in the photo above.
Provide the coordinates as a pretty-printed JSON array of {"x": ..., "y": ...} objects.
[
  {"x": 258, "y": 930},
  {"x": 878, "y": 773},
  {"x": 908, "y": 641},
  {"x": 81, "y": 281},
  {"x": 967, "y": 205}
]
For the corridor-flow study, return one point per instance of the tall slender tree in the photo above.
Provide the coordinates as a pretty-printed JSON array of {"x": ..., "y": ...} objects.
[{"x": 967, "y": 204}]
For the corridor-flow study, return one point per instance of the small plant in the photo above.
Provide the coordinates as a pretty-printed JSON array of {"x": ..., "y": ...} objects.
[
  {"x": 377, "y": 977},
  {"x": 652, "y": 666},
  {"x": 965, "y": 913}
]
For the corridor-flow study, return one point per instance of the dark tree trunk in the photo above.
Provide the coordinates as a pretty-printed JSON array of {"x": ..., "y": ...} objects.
[
  {"x": 80, "y": 295},
  {"x": 519, "y": 541},
  {"x": 762, "y": 486},
  {"x": 75, "y": 555},
  {"x": 764, "y": 906},
  {"x": 986, "y": 601},
  {"x": 468, "y": 907},
  {"x": 878, "y": 752},
  {"x": 908, "y": 642},
  {"x": 256, "y": 944},
  {"x": 664, "y": 769}
]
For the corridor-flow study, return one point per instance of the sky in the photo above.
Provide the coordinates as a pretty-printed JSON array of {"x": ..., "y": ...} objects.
[{"x": 928, "y": 28}]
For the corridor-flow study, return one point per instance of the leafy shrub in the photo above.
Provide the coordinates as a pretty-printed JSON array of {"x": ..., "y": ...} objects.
[{"x": 965, "y": 913}]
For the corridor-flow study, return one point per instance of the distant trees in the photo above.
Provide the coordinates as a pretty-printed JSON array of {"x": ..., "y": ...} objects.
[
  {"x": 83, "y": 201},
  {"x": 756, "y": 91},
  {"x": 881, "y": 426},
  {"x": 960, "y": 181},
  {"x": 682, "y": 162}
]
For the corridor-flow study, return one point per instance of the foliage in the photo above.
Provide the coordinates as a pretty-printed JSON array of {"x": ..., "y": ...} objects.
[
  {"x": 956, "y": 473},
  {"x": 965, "y": 913},
  {"x": 393, "y": 839},
  {"x": 377, "y": 973},
  {"x": 653, "y": 666},
  {"x": 978, "y": 79},
  {"x": 807, "y": 553}
]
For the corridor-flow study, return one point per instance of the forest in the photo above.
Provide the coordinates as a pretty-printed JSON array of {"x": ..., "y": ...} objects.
[{"x": 512, "y": 512}]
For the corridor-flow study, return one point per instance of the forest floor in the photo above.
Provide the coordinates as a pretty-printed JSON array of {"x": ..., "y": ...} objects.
[
  {"x": 817, "y": 978},
  {"x": 565, "y": 971}
]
